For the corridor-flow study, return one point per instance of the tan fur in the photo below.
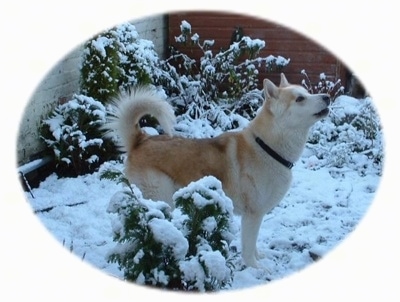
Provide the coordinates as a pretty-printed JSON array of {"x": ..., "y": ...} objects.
[{"x": 256, "y": 182}]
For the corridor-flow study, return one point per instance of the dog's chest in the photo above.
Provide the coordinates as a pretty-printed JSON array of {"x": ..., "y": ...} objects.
[
  {"x": 272, "y": 187},
  {"x": 259, "y": 190}
]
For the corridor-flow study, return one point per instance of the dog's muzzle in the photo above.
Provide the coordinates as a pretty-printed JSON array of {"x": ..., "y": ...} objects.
[{"x": 324, "y": 112}]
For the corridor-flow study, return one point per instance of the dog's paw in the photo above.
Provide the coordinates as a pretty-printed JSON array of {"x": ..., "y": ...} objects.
[
  {"x": 259, "y": 267},
  {"x": 252, "y": 261},
  {"x": 259, "y": 255},
  {"x": 253, "y": 264}
]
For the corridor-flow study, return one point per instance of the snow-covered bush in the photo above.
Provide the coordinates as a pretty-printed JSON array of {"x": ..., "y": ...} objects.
[
  {"x": 351, "y": 136},
  {"x": 116, "y": 59},
  {"x": 72, "y": 132},
  {"x": 228, "y": 75},
  {"x": 205, "y": 216},
  {"x": 99, "y": 70},
  {"x": 186, "y": 249},
  {"x": 323, "y": 85},
  {"x": 138, "y": 59},
  {"x": 149, "y": 246}
]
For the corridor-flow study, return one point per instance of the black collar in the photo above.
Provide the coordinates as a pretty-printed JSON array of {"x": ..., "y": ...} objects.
[{"x": 275, "y": 155}]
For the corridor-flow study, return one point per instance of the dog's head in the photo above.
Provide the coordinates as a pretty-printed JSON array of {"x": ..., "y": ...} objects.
[{"x": 293, "y": 105}]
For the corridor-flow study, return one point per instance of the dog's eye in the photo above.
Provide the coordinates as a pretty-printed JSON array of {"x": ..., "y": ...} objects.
[{"x": 300, "y": 99}]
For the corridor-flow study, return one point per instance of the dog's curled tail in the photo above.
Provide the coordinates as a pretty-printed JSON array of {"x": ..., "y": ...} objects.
[{"x": 129, "y": 107}]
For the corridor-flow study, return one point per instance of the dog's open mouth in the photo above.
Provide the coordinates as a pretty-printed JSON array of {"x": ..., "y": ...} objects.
[{"x": 322, "y": 113}]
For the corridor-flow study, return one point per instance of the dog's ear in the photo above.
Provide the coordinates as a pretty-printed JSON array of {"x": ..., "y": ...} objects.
[
  {"x": 270, "y": 89},
  {"x": 284, "y": 81}
]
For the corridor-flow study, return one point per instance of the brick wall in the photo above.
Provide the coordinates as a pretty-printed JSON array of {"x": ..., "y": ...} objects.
[{"x": 62, "y": 81}]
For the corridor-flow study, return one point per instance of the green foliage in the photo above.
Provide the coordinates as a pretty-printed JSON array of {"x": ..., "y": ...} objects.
[
  {"x": 116, "y": 59},
  {"x": 72, "y": 131},
  {"x": 100, "y": 71},
  {"x": 143, "y": 258},
  {"x": 115, "y": 175},
  {"x": 206, "y": 221},
  {"x": 186, "y": 249},
  {"x": 138, "y": 59},
  {"x": 199, "y": 216}
]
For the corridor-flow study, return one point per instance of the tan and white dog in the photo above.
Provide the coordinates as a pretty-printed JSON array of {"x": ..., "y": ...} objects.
[{"x": 254, "y": 164}]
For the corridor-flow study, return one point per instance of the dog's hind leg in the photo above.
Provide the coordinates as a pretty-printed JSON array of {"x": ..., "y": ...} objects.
[{"x": 250, "y": 227}]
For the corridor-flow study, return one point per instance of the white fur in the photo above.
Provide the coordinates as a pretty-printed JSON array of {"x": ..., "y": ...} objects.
[{"x": 141, "y": 101}]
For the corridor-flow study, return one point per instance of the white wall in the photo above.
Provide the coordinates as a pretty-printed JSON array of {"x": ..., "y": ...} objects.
[
  {"x": 62, "y": 81},
  {"x": 154, "y": 28}
]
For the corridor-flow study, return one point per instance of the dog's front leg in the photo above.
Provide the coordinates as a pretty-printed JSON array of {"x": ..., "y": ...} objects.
[{"x": 250, "y": 226}]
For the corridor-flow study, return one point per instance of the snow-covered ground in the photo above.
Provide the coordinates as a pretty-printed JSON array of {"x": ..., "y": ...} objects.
[{"x": 322, "y": 207}]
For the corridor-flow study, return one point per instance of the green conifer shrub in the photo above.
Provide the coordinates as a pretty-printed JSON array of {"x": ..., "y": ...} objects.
[
  {"x": 115, "y": 60},
  {"x": 185, "y": 249},
  {"x": 100, "y": 71}
]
